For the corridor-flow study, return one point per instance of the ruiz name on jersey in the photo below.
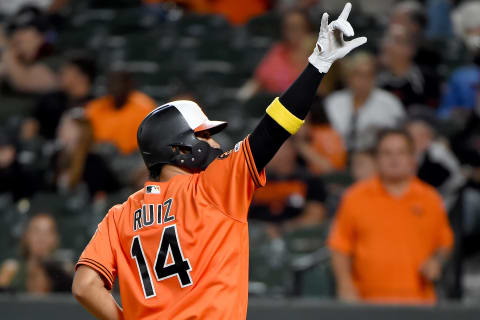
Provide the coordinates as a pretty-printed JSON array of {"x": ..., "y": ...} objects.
[{"x": 153, "y": 214}]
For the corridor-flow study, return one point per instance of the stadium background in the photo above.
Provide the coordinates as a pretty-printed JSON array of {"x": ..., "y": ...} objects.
[{"x": 209, "y": 51}]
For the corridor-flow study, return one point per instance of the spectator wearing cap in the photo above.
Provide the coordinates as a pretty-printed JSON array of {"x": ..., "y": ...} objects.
[
  {"x": 463, "y": 89},
  {"x": 77, "y": 75},
  {"x": 115, "y": 117},
  {"x": 436, "y": 164},
  {"x": 399, "y": 73},
  {"x": 362, "y": 105},
  {"x": 391, "y": 235},
  {"x": 26, "y": 63}
]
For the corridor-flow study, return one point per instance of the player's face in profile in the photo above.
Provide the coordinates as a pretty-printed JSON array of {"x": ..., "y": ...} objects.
[{"x": 205, "y": 136}]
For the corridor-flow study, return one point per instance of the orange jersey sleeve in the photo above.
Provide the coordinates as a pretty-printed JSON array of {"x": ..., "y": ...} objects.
[
  {"x": 100, "y": 251},
  {"x": 230, "y": 180}
]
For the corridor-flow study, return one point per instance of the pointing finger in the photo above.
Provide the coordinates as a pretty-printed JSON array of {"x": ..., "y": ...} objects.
[
  {"x": 346, "y": 12},
  {"x": 324, "y": 24}
]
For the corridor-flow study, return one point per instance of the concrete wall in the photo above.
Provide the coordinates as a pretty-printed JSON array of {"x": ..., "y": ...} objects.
[{"x": 64, "y": 307}]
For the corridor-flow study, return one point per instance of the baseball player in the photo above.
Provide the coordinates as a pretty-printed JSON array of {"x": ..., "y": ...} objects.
[{"x": 179, "y": 246}]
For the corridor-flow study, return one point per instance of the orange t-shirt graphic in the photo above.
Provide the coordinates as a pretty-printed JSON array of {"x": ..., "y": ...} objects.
[{"x": 180, "y": 248}]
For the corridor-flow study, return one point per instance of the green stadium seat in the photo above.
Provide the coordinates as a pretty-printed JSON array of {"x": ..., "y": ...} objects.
[
  {"x": 318, "y": 282},
  {"x": 15, "y": 105},
  {"x": 268, "y": 261},
  {"x": 307, "y": 239},
  {"x": 114, "y": 4},
  {"x": 203, "y": 26},
  {"x": 266, "y": 25},
  {"x": 255, "y": 106}
]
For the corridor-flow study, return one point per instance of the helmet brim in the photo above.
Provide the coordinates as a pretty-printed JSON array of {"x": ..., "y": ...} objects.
[{"x": 212, "y": 127}]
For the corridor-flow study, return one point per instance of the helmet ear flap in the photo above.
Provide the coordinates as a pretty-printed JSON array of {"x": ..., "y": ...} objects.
[{"x": 197, "y": 158}]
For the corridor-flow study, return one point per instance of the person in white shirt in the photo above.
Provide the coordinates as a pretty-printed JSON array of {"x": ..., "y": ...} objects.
[{"x": 362, "y": 107}]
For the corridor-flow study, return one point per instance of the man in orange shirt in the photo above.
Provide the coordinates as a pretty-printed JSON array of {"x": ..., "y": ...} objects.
[
  {"x": 179, "y": 246},
  {"x": 391, "y": 236},
  {"x": 116, "y": 116}
]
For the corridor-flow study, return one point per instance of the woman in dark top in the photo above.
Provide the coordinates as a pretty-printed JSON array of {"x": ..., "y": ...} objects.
[{"x": 74, "y": 163}]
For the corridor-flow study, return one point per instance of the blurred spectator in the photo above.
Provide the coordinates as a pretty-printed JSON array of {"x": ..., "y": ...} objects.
[
  {"x": 14, "y": 179},
  {"x": 437, "y": 165},
  {"x": 76, "y": 80},
  {"x": 466, "y": 145},
  {"x": 27, "y": 63},
  {"x": 37, "y": 270},
  {"x": 412, "y": 15},
  {"x": 320, "y": 145},
  {"x": 361, "y": 106},
  {"x": 115, "y": 117},
  {"x": 75, "y": 163},
  {"x": 363, "y": 165},
  {"x": 466, "y": 23},
  {"x": 377, "y": 8},
  {"x": 285, "y": 60},
  {"x": 238, "y": 12},
  {"x": 400, "y": 75},
  {"x": 464, "y": 84},
  {"x": 391, "y": 236},
  {"x": 291, "y": 198},
  {"x": 466, "y": 142}
]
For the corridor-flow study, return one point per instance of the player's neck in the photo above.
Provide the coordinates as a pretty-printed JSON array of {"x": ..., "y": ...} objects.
[{"x": 169, "y": 171}]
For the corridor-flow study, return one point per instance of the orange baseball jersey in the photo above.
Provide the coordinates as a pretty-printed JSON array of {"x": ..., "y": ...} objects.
[{"x": 180, "y": 248}]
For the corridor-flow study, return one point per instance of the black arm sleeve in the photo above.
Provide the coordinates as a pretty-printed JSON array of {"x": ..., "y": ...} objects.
[{"x": 269, "y": 136}]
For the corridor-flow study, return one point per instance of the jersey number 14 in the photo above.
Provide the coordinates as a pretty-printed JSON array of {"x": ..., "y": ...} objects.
[{"x": 169, "y": 245}]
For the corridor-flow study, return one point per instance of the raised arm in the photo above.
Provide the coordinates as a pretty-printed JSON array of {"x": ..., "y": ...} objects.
[{"x": 285, "y": 115}]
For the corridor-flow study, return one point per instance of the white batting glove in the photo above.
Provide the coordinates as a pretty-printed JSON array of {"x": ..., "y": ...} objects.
[{"x": 329, "y": 47}]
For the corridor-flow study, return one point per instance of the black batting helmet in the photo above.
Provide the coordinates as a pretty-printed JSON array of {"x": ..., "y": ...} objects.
[{"x": 174, "y": 125}]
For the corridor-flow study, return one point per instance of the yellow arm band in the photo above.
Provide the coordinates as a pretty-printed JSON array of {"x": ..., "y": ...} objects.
[{"x": 283, "y": 117}]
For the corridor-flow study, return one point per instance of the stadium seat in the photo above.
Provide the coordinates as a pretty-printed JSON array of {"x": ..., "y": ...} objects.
[
  {"x": 203, "y": 26},
  {"x": 13, "y": 105},
  {"x": 268, "y": 262},
  {"x": 317, "y": 282},
  {"x": 255, "y": 106},
  {"x": 266, "y": 25},
  {"x": 115, "y": 3},
  {"x": 310, "y": 261}
]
